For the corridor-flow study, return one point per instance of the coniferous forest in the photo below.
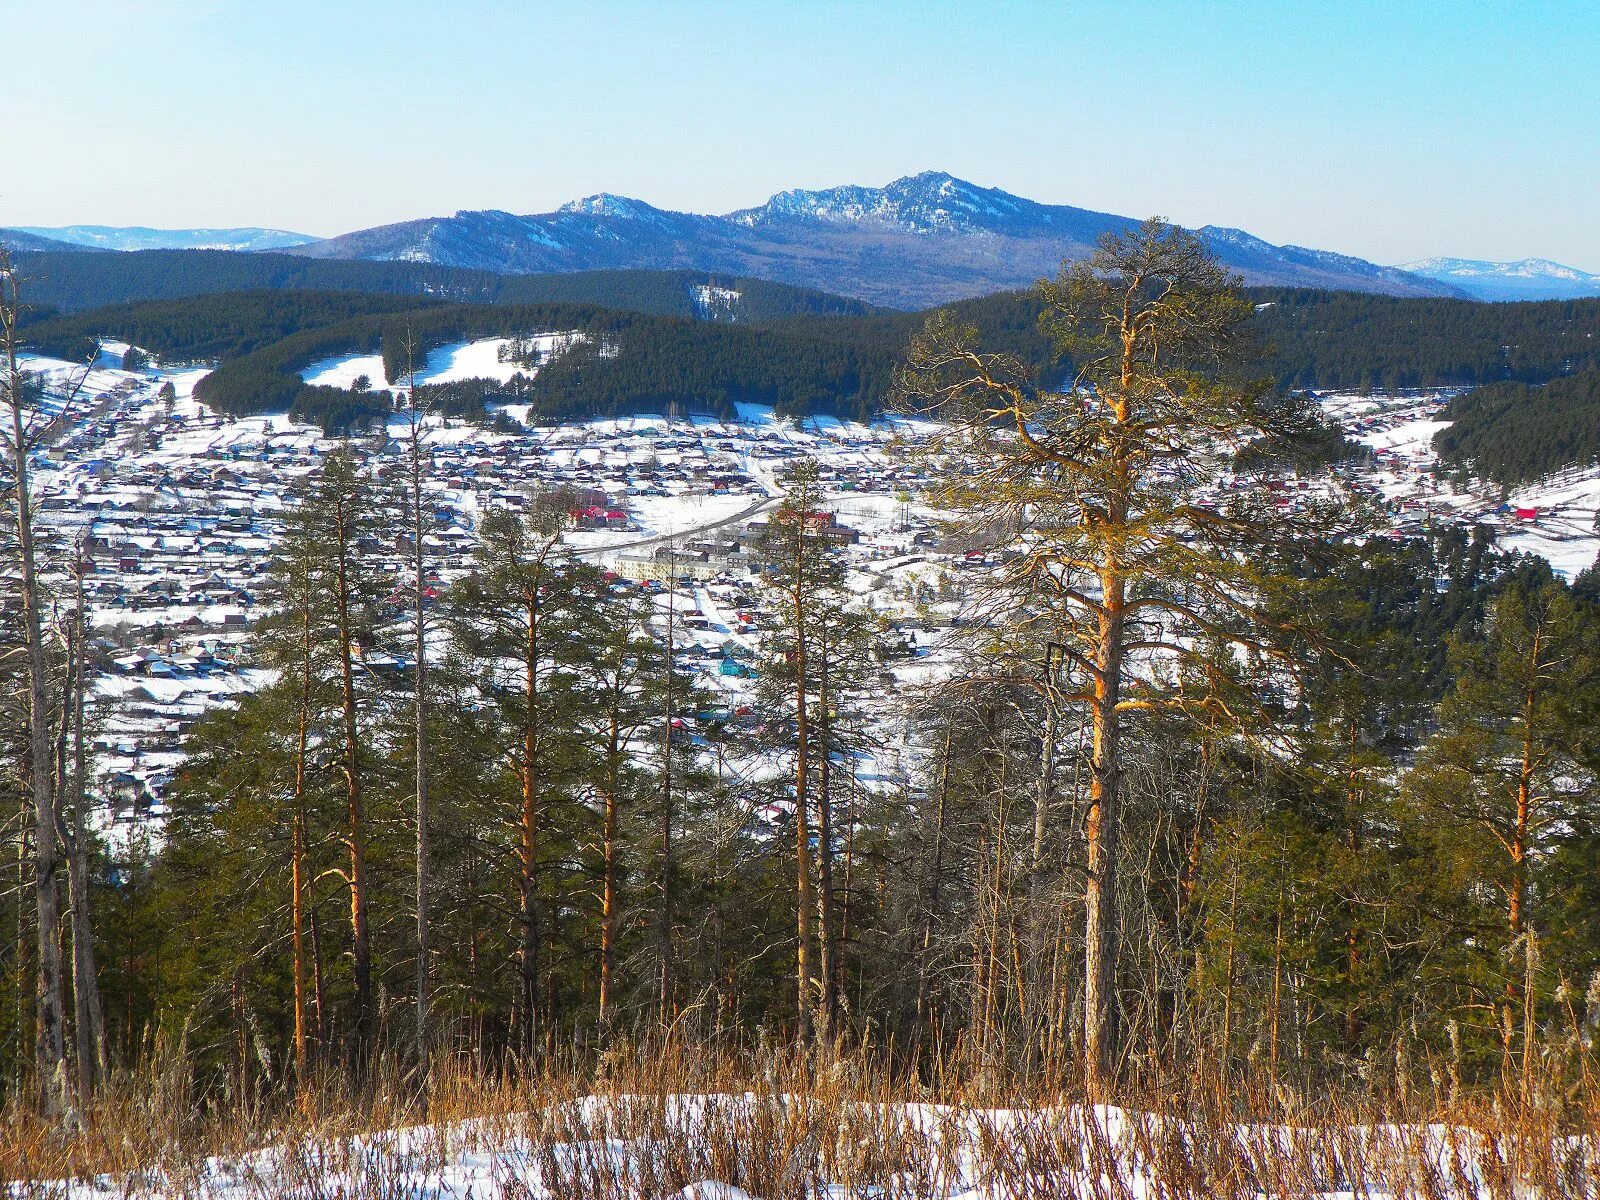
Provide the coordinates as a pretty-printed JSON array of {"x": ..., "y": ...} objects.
[
  {"x": 798, "y": 351},
  {"x": 1208, "y": 789}
]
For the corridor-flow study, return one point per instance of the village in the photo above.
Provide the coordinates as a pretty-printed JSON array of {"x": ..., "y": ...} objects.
[{"x": 174, "y": 512}]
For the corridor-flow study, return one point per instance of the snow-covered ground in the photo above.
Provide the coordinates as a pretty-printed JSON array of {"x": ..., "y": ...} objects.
[
  {"x": 179, "y": 510},
  {"x": 480, "y": 359},
  {"x": 1553, "y": 519},
  {"x": 773, "y": 1146}
]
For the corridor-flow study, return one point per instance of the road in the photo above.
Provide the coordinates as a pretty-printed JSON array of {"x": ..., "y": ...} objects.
[{"x": 745, "y": 514}]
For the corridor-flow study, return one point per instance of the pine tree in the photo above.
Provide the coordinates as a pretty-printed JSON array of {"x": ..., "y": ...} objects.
[
  {"x": 1127, "y": 552},
  {"x": 327, "y": 584},
  {"x": 802, "y": 577},
  {"x": 524, "y": 613},
  {"x": 1506, "y": 774}
]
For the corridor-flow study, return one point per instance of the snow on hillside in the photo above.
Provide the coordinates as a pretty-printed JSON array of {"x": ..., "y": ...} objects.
[
  {"x": 447, "y": 364},
  {"x": 1553, "y": 519},
  {"x": 1525, "y": 279},
  {"x": 712, "y": 303}
]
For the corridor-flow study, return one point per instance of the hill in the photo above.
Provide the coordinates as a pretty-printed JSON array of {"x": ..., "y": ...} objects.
[
  {"x": 140, "y": 237},
  {"x": 1526, "y": 279},
  {"x": 20, "y": 241},
  {"x": 69, "y": 280},
  {"x": 1356, "y": 342},
  {"x": 208, "y": 328},
  {"x": 652, "y": 346},
  {"x": 922, "y": 240},
  {"x": 620, "y": 362},
  {"x": 1514, "y": 433}
]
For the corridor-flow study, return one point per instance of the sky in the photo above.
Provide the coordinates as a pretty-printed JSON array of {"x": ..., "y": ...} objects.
[{"x": 1393, "y": 131}]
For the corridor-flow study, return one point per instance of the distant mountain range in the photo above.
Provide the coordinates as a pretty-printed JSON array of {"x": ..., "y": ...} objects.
[
  {"x": 1527, "y": 279},
  {"x": 919, "y": 241},
  {"x": 922, "y": 240},
  {"x": 138, "y": 237},
  {"x": 22, "y": 240}
]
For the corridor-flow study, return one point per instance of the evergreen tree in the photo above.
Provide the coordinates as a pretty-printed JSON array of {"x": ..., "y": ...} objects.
[
  {"x": 527, "y": 615},
  {"x": 1096, "y": 486},
  {"x": 1504, "y": 780}
]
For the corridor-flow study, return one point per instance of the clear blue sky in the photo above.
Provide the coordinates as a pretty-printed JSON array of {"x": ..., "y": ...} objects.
[{"x": 1391, "y": 130}]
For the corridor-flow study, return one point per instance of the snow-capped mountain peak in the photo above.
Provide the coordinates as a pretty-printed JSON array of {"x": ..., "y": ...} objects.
[
  {"x": 1524, "y": 279},
  {"x": 933, "y": 201},
  {"x": 605, "y": 204}
]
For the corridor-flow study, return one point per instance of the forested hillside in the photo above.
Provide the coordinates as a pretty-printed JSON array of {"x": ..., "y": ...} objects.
[
  {"x": 1514, "y": 433},
  {"x": 1344, "y": 340},
  {"x": 72, "y": 282},
  {"x": 625, "y": 362},
  {"x": 209, "y": 328},
  {"x": 811, "y": 353}
]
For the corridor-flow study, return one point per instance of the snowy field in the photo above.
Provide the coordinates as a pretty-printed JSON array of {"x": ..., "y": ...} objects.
[
  {"x": 452, "y": 363},
  {"x": 778, "y": 1147}
]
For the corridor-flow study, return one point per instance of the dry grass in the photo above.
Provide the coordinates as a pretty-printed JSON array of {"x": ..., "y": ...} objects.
[{"x": 774, "y": 1125}]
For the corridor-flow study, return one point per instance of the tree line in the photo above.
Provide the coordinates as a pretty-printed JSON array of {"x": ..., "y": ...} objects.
[
  {"x": 1204, "y": 781},
  {"x": 800, "y": 352},
  {"x": 70, "y": 282},
  {"x": 1516, "y": 433}
]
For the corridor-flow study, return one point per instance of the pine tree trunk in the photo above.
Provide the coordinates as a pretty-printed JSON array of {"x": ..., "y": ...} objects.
[
  {"x": 1101, "y": 830},
  {"x": 420, "y": 737},
  {"x": 608, "y": 885},
  {"x": 89, "y": 1024},
  {"x": 827, "y": 934},
  {"x": 528, "y": 849},
  {"x": 297, "y": 871},
  {"x": 50, "y": 1014},
  {"x": 360, "y": 941},
  {"x": 664, "y": 933},
  {"x": 927, "y": 1017},
  {"x": 805, "y": 968},
  {"x": 1516, "y": 919}
]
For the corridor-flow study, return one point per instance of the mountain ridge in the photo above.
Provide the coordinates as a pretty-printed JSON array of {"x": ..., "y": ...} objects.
[
  {"x": 918, "y": 241},
  {"x": 23, "y": 241},
  {"x": 1523, "y": 279},
  {"x": 143, "y": 237}
]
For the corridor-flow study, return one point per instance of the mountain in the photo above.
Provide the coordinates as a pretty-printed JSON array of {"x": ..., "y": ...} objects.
[
  {"x": 27, "y": 240},
  {"x": 138, "y": 237},
  {"x": 72, "y": 280},
  {"x": 1527, "y": 279},
  {"x": 919, "y": 241}
]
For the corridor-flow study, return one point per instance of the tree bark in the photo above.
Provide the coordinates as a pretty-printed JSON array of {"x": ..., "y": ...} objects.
[
  {"x": 1102, "y": 827},
  {"x": 297, "y": 870},
  {"x": 50, "y": 1045},
  {"x": 805, "y": 969},
  {"x": 827, "y": 933},
  {"x": 89, "y": 1022},
  {"x": 361, "y": 947},
  {"x": 608, "y": 853},
  {"x": 528, "y": 848},
  {"x": 420, "y": 732},
  {"x": 667, "y": 916}
]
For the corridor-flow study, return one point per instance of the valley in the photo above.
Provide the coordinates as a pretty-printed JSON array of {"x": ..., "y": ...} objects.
[{"x": 178, "y": 511}]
